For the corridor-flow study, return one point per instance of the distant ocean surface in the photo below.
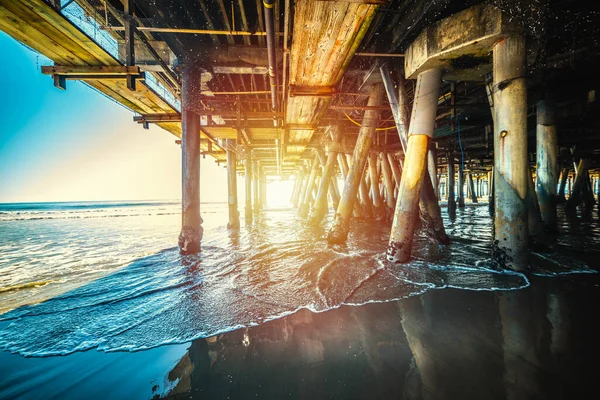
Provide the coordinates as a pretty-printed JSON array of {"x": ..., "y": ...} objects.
[
  {"x": 108, "y": 275},
  {"x": 50, "y": 248}
]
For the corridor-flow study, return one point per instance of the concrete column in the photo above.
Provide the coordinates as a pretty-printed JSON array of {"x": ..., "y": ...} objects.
[
  {"x": 339, "y": 230},
  {"x": 388, "y": 180},
  {"x": 547, "y": 163},
  {"x": 378, "y": 211},
  {"x": 451, "y": 184},
  {"x": 255, "y": 186},
  {"x": 510, "y": 156},
  {"x": 472, "y": 185},
  {"x": 306, "y": 201},
  {"x": 415, "y": 166},
  {"x": 191, "y": 222},
  {"x": 234, "y": 214},
  {"x": 320, "y": 206},
  {"x": 580, "y": 180}
]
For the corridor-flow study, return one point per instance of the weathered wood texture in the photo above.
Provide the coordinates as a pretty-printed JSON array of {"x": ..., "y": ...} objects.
[{"x": 326, "y": 36}]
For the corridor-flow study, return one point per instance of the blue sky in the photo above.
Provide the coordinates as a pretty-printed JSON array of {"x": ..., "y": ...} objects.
[{"x": 79, "y": 145}]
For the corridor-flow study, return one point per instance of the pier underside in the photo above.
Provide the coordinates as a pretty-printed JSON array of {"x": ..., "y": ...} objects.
[{"x": 320, "y": 90}]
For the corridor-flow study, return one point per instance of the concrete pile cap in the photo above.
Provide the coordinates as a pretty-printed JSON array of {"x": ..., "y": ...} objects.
[{"x": 461, "y": 44}]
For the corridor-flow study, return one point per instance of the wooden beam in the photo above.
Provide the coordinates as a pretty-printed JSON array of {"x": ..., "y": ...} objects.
[
  {"x": 316, "y": 91},
  {"x": 175, "y": 117},
  {"x": 222, "y": 69},
  {"x": 90, "y": 70}
]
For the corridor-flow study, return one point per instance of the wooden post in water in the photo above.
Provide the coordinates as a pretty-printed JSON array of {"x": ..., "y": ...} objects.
[
  {"x": 576, "y": 191},
  {"x": 305, "y": 202},
  {"x": 255, "y": 188},
  {"x": 473, "y": 192},
  {"x": 415, "y": 165},
  {"x": 320, "y": 205},
  {"x": 248, "y": 210},
  {"x": 547, "y": 163},
  {"x": 300, "y": 184},
  {"x": 511, "y": 167},
  {"x": 388, "y": 180},
  {"x": 191, "y": 222},
  {"x": 461, "y": 185},
  {"x": 378, "y": 211},
  {"x": 451, "y": 184},
  {"x": 234, "y": 215},
  {"x": 431, "y": 213},
  {"x": 341, "y": 225},
  {"x": 303, "y": 187}
]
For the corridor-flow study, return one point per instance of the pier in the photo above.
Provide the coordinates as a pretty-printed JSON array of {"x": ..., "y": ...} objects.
[{"x": 414, "y": 105}]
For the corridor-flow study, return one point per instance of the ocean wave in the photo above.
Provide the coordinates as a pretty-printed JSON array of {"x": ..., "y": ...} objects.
[{"x": 266, "y": 271}]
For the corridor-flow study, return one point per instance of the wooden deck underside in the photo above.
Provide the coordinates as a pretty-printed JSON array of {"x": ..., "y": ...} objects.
[
  {"x": 35, "y": 24},
  {"x": 326, "y": 35}
]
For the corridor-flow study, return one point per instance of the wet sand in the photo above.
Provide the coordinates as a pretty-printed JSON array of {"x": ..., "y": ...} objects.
[{"x": 539, "y": 342}]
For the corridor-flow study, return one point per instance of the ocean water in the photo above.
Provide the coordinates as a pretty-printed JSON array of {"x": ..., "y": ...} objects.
[{"x": 79, "y": 276}]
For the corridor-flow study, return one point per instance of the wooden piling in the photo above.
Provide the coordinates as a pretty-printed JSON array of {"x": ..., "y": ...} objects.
[
  {"x": 339, "y": 230},
  {"x": 191, "y": 222},
  {"x": 234, "y": 215},
  {"x": 421, "y": 131}
]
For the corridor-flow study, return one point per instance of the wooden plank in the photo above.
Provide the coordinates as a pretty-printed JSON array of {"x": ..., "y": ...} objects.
[
  {"x": 22, "y": 31},
  {"x": 69, "y": 30},
  {"x": 35, "y": 18}
]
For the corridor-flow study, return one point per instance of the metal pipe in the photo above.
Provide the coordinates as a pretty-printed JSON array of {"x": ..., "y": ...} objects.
[{"x": 270, "y": 30}]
